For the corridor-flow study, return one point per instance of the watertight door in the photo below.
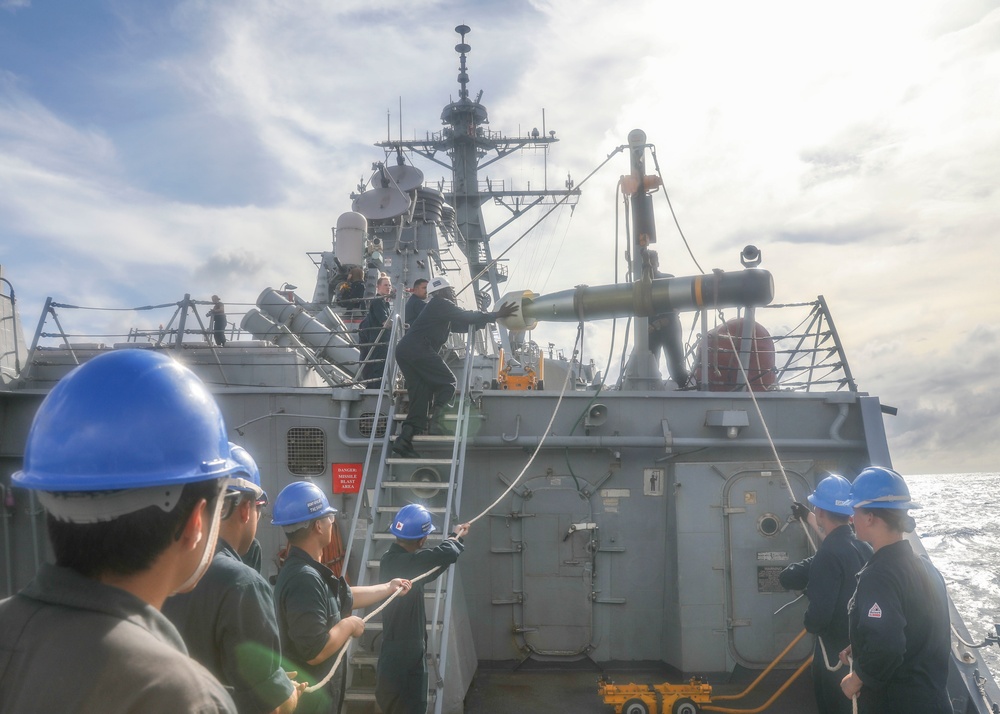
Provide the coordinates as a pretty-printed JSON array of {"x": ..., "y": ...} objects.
[
  {"x": 759, "y": 544},
  {"x": 557, "y": 567}
]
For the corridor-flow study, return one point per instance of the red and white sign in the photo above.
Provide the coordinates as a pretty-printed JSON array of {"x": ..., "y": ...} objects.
[{"x": 347, "y": 478}]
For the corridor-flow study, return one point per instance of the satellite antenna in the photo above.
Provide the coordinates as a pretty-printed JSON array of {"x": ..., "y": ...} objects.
[
  {"x": 381, "y": 203},
  {"x": 406, "y": 177}
]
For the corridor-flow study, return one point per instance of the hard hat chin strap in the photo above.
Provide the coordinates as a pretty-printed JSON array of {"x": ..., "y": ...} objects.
[{"x": 209, "y": 552}]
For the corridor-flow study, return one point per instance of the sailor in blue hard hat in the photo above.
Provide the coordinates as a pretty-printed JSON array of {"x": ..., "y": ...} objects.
[
  {"x": 313, "y": 604},
  {"x": 231, "y": 610},
  {"x": 129, "y": 456},
  {"x": 900, "y": 629},
  {"x": 828, "y": 580},
  {"x": 832, "y": 496},
  {"x": 412, "y": 522},
  {"x": 401, "y": 677},
  {"x": 253, "y": 555}
]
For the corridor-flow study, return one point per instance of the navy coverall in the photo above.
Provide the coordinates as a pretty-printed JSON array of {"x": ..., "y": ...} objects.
[
  {"x": 428, "y": 379},
  {"x": 900, "y": 634},
  {"x": 72, "y": 644},
  {"x": 414, "y": 306},
  {"x": 829, "y": 579},
  {"x": 401, "y": 679},
  {"x": 228, "y": 625},
  {"x": 377, "y": 336},
  {"x": 307, "y": 601}
]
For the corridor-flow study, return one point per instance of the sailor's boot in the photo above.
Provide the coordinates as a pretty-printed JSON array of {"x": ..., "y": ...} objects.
[
  {"x": 436, "y": 426},
  {"x": 403, "y": 445}
]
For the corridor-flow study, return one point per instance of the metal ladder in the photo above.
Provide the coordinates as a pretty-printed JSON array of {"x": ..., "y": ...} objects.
[{"x": 394, "y": 487}]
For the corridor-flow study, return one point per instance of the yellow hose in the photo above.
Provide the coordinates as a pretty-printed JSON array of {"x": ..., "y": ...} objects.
[
  {"x": 769, "y": 702},
  {"x": 765, "y": 672}
]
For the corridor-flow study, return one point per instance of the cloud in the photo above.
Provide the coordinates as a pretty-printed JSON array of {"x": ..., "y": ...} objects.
[
  {"x": 197, "y": 147},
  {"x": 227, "y": 267}
]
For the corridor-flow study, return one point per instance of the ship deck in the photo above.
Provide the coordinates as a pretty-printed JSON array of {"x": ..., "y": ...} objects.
[{"x": 502, "y": 687}]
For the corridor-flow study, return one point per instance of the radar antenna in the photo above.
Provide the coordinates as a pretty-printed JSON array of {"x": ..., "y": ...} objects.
[{"x": 463, "y": 74}]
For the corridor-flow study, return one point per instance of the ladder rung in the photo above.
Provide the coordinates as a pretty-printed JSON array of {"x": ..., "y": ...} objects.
[
  {"x": 415, "y": 462},
  {"x": 416, "y": 484},
  {"x": 394, "y": 509},
  {"x": 370, "y": 659},
  {"x": 430, "y": 438},
  {"x": 376, "y": 626},
  {"x": 448, "y": 417},
  {"x": 367, "y": 694},
  {"x": 359, "y": 694}
]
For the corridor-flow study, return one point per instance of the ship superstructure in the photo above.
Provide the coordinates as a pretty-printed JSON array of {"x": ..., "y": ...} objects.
[{"x": 640, "y": 521}]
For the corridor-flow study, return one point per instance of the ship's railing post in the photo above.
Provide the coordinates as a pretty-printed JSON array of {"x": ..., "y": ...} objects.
[
  {"x": 184, "y": 305},
  {"x": 840, "y": 347},
  {"x": 34, "y": 340},
  {"x": 703, "y": 385}
]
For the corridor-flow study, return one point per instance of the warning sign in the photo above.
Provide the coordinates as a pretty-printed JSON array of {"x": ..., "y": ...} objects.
[
  {"x": 347, "y": 478},
  {"x": 767, "y": 579}
]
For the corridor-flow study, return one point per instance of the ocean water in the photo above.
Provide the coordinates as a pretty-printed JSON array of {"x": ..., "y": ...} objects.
[{"x": 959, "y": 525}]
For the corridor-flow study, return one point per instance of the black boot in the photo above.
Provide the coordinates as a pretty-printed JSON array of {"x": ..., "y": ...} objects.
[
  {"x": 436, "y": 427},
  {"x": 403, "y": 445}
]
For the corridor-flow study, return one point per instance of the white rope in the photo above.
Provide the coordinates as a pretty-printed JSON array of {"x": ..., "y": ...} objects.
[
  {"x": 968, "y": 644},
  {"x": 545, "y": 434},
  {"x": 854, "y": 699},
  {"x": 340, "y": 655},
  {"x": 781, "y": 467},
  {"x": 763, "y": 422},
  {"x": 343, "y": 650}
]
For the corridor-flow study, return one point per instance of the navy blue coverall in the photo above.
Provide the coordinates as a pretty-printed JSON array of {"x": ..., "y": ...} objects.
[
  {"x": 228, "y": 625},
  {"x": 401, "y": 683},
  {"x": 829, "y": 579},
  {"x": 428, "y": 379},
  {"x": 901, "y": 634},
  {"x": 376, "y": 334},
  {"x": 414, "y": 306},
  {"x": 307, "y": 602}
]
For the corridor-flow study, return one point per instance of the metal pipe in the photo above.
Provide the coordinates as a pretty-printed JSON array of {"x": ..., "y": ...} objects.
[
  {"x": 741, "y": 288},
  {"x": 598, "y": 442},
  {"x": 6, "y": 539},
  {"x": 345, "y": 412}
]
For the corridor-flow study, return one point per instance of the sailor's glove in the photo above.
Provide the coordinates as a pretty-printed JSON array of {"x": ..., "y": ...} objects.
[{"x": 800, "y": 510}]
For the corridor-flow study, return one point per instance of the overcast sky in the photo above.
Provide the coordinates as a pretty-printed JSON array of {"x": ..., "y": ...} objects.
[{"x": 151, "y": 148}]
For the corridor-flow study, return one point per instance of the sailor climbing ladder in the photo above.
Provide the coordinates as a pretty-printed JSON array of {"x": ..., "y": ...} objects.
[{"x": 400, "y": 481}]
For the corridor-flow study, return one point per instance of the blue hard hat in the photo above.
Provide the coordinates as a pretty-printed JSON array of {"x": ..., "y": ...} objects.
[
  {"x": 413, "y": 522},
  {"x": 879, "y": 487},
  {"x": 833, "y": 494},
  {"x": 248, "y": 479},
  {"x": 299, "y": 502},
  {"x": 127, "y": 419}
]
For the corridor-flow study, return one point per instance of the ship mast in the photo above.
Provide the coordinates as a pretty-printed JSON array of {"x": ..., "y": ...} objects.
[{"x": 469, "y": 146}]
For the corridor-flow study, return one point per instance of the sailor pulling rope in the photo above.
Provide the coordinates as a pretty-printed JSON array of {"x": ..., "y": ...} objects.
[
  {"x": 781, "y": 467},
  {"x": 541, "y": 441}
]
